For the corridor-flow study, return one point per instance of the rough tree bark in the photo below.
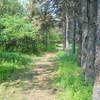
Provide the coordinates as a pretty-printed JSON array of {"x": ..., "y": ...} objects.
[
  {"x": 79, "y": 33},
  {"x": 97, "y": 58},
  {"x": 74, "y": 37},
  {"x": 96, "y": 89},
  {"x": 79, "y": 43},
  {"x": 66, "y": 36},
  {"x": 88, "y": 38}
]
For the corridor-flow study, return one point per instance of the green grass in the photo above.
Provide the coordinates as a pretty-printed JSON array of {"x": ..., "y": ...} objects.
[
  {"x": 70, "y": 81},
  {"x": 12, "y": 57},
  {"x": 12, "y": 64},
  {"x": 16, "y": 75}
]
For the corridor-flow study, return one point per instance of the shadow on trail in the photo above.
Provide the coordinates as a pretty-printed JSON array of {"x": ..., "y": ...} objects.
[
  {"x": 35, "y": 75},
  {"x": 16, "y": 70}
]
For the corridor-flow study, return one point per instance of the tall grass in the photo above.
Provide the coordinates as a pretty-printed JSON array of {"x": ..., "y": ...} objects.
[
  {"x": 70, "y": 81},
  {"x": 12, "y": 63}
]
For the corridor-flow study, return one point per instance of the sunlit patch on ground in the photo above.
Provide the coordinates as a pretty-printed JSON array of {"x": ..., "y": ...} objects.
[{"x": 32, "y": 83}]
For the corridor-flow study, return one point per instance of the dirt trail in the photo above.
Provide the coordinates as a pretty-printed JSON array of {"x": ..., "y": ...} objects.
[
  {"x": 34, "y": 83},
  {"x": 44, "y": 73}
]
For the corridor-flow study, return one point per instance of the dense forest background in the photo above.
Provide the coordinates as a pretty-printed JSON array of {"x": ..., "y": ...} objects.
[
  {"x": 25, "y": 30},
  {"x": 71, "y": 28}
]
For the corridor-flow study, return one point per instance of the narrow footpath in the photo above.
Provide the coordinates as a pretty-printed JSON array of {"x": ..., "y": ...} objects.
[{"x": 34, "y": 83}]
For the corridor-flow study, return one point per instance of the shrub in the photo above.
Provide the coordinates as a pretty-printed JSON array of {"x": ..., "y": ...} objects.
[{"x": 17, "y": 34}]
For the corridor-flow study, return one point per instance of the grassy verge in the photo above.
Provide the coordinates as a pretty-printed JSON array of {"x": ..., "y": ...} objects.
[
  {"x": 12, "y": 64},
  {"x": 70, "y": 81}
]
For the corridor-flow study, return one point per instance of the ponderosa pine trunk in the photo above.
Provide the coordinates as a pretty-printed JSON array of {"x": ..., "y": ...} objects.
[
  {"x": 96, "y": 89},
  {"x": 66, "y": 36},
  {"x": 79, "y": 34},
  {"x": 88, "y": 38},
  {"x": 74, "y": 37},
  {"x": 79, "y": 43},
  {"x": 97, "y": 57}
]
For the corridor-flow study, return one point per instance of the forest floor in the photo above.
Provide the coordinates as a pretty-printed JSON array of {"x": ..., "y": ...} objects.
[{"x": 34, "y": 83}]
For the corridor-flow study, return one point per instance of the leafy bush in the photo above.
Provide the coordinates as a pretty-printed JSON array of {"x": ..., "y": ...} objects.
[
  {"x": 11, "y": 7},
  {"x": 17, "y": 34},
  {"x": 70, "y": 81}
]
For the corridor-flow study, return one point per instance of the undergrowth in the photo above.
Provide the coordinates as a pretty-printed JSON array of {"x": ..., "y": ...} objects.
[
  {"x": 69, "y": 81},
  {"x": 12, "y": 64}
]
